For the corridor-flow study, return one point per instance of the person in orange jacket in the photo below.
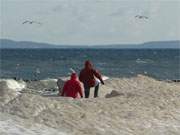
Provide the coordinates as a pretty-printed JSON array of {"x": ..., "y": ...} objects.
[
  {"x": 87, "y": 77},
  {"x": 72, "y": 88}
]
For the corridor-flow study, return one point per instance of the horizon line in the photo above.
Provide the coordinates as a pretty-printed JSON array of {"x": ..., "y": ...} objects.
[{"x": 89, "y": 45}]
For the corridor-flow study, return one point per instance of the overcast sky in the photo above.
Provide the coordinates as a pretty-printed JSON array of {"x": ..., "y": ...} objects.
[{"x": 87, "y": 22}]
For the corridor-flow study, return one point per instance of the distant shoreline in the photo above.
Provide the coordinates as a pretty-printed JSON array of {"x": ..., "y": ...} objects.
[
  {"x": 95, "y": 48},
  {"x": 7, "y": 43}
]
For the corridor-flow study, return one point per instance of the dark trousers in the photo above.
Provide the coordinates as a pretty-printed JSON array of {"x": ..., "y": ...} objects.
[{"x": 87, "y": 91}]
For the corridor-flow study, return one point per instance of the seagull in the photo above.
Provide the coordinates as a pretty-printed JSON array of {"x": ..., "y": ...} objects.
[
  {"x": 31, "y": 22},
  {"x": 141, "y": 17}
]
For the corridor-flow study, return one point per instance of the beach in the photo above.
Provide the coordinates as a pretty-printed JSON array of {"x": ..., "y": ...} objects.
[
  {"x": 128, "y": 106},
  {"x": 50, "y": 51}
]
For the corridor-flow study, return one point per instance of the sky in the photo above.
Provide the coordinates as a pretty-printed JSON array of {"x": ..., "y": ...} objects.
[{"x": 90, "y": 22}]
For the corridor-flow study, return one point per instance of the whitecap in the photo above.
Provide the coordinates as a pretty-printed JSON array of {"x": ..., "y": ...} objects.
[{"x": 140, "y": 61}]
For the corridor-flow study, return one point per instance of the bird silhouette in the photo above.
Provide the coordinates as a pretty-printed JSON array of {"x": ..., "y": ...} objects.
[
  {"x": 141, "y": 17},
  {"x": 31, "y": 22}
]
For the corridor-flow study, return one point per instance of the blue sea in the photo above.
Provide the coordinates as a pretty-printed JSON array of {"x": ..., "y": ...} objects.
[{"x": 52, "y": 63}]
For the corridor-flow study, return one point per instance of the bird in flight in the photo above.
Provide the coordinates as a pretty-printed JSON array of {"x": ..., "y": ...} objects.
[
  {"x": 32, "y": 22},
  {"x": 141, "y": 17}
]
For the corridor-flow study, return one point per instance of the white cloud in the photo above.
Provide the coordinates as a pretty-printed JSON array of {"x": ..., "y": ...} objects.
[{"x": 90, "y": 22}]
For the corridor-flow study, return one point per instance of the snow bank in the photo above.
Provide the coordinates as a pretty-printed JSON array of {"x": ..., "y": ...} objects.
[
  {"x": 9, "y": 89},
  {"x": 10, "y": 125},
  {"x": 138, "y": 105}
]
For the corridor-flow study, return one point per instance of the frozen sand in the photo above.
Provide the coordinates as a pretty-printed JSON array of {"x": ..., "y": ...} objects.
[
  {"x": 139, "y": 105},
  {"x": 12, "y": 125}
]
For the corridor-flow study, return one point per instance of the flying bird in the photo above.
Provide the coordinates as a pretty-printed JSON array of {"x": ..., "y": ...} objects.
[
  {"x": 141, "y": 17},
  {"x": 31, "y": 22}
]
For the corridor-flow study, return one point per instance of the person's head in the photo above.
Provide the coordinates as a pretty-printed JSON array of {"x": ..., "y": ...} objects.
[
  {"x": 88, "y": 64},
  {"x": 73, "y": 76}
]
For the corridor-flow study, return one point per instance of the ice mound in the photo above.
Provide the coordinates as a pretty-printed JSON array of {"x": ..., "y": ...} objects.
[
  {"x": 42, "y": 84},
  {"x": 41, "y": 87},
  {"x": 11, "y": 125},
  {"x": 9, "y": 89},
  {"x": 138, "y": 105},
  {"x": 49, "y": 82},
  {"x": 60, "y": 82},
  {"x": 16, "y": 86},
  {"x": 114, "y": 93}
]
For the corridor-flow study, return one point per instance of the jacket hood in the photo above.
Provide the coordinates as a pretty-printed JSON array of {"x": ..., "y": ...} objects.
[
  {"x": 73, "y": 76},
  {"x": 88, "y": 64}
]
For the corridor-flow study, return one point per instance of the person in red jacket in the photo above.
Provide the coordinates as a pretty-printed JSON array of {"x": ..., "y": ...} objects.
[
  {"x": 72, "y": 88},
  {"x": 87, "y": 77}
]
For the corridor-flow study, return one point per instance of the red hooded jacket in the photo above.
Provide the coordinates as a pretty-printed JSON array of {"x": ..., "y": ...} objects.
[
  {"x": 72, "y": 88},
  {"x": 88, "y": 74}
]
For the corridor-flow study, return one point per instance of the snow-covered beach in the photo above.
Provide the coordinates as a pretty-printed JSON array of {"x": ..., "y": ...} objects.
[
  {"x": 127, "y": 106},
  {"x": 129, "y": 50}
]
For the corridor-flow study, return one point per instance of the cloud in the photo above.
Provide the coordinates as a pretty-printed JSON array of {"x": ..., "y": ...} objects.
[{"x": 90, "y": 22}]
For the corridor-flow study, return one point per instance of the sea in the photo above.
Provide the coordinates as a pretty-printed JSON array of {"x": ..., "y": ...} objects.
[{"x": 35, "y": 64}]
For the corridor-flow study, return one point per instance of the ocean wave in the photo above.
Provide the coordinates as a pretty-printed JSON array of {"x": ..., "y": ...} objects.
[{"x": 144, "y": 61}]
